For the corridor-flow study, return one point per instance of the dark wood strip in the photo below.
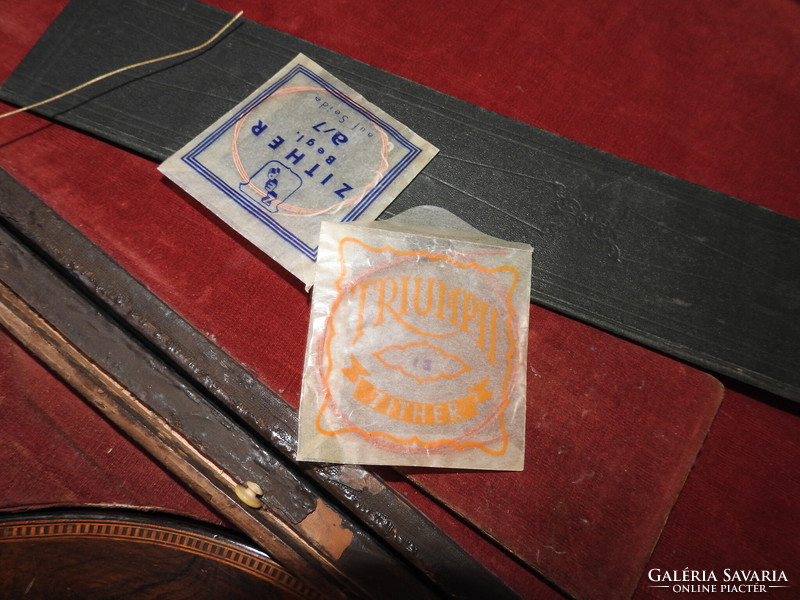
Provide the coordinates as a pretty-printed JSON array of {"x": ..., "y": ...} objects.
[
  {"x": 202, "y": 446},
  {"x": 387, "y": 514}
]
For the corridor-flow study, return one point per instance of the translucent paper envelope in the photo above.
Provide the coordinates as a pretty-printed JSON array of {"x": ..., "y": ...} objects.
[
  {"x": 302, "y": 149},
  {"x": 417, "y": 346}
]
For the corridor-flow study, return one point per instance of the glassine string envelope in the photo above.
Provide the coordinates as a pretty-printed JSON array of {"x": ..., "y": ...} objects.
[
  {"x": 446, "y": 387},
  {"x": 417, "y": 346},
  {"x": 302, "y": 149}
]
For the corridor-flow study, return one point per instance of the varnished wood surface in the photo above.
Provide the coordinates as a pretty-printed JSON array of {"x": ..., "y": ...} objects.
[
  {"x": 113, "y": 554},
  {"x": 184, "y": 409},
  {"x": 205, "y": 449}
]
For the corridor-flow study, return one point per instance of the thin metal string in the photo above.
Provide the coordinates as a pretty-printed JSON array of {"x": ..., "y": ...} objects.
[{"x": 208, "y": 42}]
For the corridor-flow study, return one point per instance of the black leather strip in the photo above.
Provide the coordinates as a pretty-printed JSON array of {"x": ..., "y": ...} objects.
[{"x": 685, "y": 270}]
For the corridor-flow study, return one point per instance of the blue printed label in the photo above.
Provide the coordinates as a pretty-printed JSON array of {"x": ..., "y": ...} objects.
[{"x": 302, "y": 149}]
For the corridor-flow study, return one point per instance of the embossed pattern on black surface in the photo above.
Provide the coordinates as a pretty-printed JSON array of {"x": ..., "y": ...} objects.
[{"x": 688, "y": 271}]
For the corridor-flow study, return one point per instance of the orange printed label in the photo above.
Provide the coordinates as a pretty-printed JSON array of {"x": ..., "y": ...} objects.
[{"x": 419, "y": 350}]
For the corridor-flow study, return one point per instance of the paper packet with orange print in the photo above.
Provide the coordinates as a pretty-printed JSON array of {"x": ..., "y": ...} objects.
[{"x": 417, "y": 346}]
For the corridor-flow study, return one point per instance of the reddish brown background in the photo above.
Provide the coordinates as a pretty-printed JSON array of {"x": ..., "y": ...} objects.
[{"x": 705, "y": 91}]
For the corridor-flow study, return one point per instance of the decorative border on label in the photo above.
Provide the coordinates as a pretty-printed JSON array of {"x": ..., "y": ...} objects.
[
  {"x": 414, "y": 443},
  {"x": 193, "y": 159}
]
